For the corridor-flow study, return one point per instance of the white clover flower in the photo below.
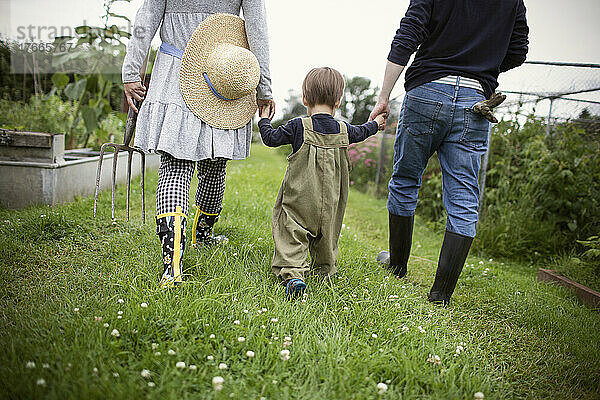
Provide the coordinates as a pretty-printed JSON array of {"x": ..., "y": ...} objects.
[
  {"x": 171, "y": 352},
  {"x": 274, "y": 381},
  {"x": 285, "y": 355},
  {"x": 274, "y": 320},
  {"x": 211, "y": 336},
  {"x": 374, "y": 335},
  {"x": 263, "y": 326},
  {"x": 382, "y": 388},
  {"x": 45, "y": 365},
  {"x": 192, "y": 367},
  {"x": 119, "y": 312},
  {"x": 98, "y": 319},
  {"x": 180, "y": 365},
  {"x": 210, "y": 358},
  {"x": 95, "y": 371},
  {"x": 346, "y": 308},
  {"x": 120, "y": 301},
  {"x": 30, "y": 364},
  {"x": 250, "y": 354},
  {"x": 434, "y": 359},
  {"x": 480, "y": 262},
  {"x": 151, "y": 384},
  {"x": 218, "y": 382},
  {"x": 41, "y": 382},
  {"x": 115, "y": 333},
  {"x": 223, "y": 366},
  {"x": 115, "y": 374},
  {"x": 246, "y": 311},
  {"x": 236, "y": 322},
  {"x": 154, "y": 346},
  {"x": 263, "y": 309},
  {"x": 157, "y": 353},
  {"x": 145, "y": 373},
  {"x": 106, "y": 325},
  {"x": 144, "y": 305},
  {"x": 479, "y": 396},
  {"x": 241, "y": 339},
  {"x": 420, "y": 328},
  {"x": 76, "y": 310}
]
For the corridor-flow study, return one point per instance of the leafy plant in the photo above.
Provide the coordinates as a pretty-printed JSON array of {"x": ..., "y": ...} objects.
[{"x": 95, "y": 51}]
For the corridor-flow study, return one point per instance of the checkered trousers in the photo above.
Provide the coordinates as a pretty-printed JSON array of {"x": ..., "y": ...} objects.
[{"x": 175, "y": 177}]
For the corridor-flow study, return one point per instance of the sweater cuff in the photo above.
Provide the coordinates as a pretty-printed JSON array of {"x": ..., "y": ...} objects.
[
  {"x": 399, "y": 56},
  {"x": 373, "y": 127}
]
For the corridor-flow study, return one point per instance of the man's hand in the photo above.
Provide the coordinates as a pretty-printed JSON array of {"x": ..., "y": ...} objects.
[
  {"x": 486, "y": 107},
  {"x": 381, "y": 108},
  {"x": 267, "y": 104},
  {"x": 134, "y": 90}
]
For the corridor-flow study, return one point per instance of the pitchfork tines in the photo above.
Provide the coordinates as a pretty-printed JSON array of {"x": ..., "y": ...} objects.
[{"x": 130, "y": 150}]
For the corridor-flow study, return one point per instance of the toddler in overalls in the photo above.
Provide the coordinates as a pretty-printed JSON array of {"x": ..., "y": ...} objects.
[{"x": 312, "y": 199}]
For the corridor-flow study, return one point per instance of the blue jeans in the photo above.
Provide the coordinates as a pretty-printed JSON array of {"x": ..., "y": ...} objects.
[{"x": 438, "y": 117}]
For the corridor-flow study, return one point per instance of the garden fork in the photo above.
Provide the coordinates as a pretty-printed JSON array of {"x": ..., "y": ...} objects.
[{"x": 129, "y": 130}]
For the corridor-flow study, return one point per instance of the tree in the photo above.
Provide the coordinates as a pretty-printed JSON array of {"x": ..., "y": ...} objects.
[{"x": 358, "y": 100}]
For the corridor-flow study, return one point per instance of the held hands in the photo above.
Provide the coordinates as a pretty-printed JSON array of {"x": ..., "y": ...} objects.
[
  {"x": 134, "y": 91},
  {"x": 266, "y": 108},
  {"x": 382, "y": 110},
  {"x": 486, "y": 107},
  {"x": 380, "y": 119}
]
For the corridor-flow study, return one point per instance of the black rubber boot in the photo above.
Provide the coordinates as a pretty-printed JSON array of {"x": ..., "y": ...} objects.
[
  {"x": 396, "y": 260},
  {"x": 453, "y": 255},
  {"x": 170, "y": 228},
  {"x": 203, "y": 230}
]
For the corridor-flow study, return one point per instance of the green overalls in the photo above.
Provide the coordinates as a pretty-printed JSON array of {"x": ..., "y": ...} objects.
[{"x": 310, "y": 205}]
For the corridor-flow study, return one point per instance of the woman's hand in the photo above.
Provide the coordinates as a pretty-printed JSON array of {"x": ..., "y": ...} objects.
[
  {"x": 265, "y": 105},
  {"x": 134, "y": 90}
]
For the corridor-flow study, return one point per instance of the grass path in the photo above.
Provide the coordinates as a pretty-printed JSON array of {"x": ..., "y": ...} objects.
[{"x": 521, "y": 339}]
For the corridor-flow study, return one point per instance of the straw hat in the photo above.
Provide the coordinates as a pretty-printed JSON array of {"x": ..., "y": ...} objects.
[{"x": 219, "y": 75}]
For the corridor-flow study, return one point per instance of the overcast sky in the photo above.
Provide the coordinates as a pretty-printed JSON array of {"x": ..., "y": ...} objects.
[{"x": 353, "y": 36}]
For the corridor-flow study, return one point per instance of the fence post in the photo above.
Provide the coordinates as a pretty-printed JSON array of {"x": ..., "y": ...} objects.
[
  {"x": 380, "y": 161},
  {"x": 549, "y": 116},
  {"x": 483, "y": 170}
]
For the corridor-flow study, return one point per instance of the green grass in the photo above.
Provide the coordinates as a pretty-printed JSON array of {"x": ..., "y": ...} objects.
[{"x": 522, "y": 339}]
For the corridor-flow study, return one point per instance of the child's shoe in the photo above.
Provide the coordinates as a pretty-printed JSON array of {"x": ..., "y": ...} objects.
[
  {"x": 202, "y": 232},
  {"x": 294, "y": 288}
]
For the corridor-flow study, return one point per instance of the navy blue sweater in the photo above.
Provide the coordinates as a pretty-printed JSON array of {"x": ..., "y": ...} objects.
[
  {"x": 472, "y": 38},
  {"x": 293, "y": 132}
]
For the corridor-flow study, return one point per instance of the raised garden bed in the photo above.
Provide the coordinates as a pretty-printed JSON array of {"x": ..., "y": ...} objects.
[
  {"x": 36, "y": 169},
  {"x": 585, "y": 294}
]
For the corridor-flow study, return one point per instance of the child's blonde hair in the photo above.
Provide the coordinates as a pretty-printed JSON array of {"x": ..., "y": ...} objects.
[{"x": 323, "y": 85}]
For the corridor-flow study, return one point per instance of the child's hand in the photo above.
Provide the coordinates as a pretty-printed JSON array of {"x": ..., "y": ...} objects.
[
  {"x": 380, "y": 119},
  {"x": 265, "y": 111}
]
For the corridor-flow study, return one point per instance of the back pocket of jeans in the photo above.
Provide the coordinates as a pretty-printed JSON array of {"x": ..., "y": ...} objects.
[
  {"x": 476, "y": 130},
  {"x": 420, "y": 114}
]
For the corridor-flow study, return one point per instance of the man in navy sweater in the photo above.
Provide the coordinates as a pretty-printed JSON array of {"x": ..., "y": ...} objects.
[{"x": 461, "y": 47}]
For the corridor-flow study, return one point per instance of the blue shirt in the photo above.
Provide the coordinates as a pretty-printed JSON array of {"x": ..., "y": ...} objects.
[
  {"x": 293, "y": 132},
  {"x": 476, "y": 39}
]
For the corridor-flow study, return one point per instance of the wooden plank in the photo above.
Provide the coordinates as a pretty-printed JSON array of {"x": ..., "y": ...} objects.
[
  {"x": 27, "y": 139},
  {"x": 585, "y": 294}
]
